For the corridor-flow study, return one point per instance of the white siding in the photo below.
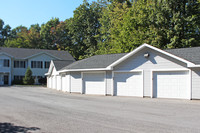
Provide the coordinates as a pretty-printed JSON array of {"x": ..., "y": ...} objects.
[
  {"x": 108, "y": 82},
  {"x": 40, "y": 57},
  {"x": 196, "y": 83},
  {"x": 2, "y": 68},
  {"x": 7, "y": 70},
  {"x": 47, "y": 82},
  {"x": 76, "y": 82},
  {"x": 53, "y": 82},
  {"x": 155, "y": 61}
]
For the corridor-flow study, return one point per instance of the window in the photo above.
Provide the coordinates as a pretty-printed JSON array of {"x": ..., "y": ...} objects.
[
  {"x": 36, "y": 64},
  {"x": 19, "y": 64},
  {"x": 6, "y": 63},
  {"x": 47, "y": 64},
  {"x": 18, "y": 77}
]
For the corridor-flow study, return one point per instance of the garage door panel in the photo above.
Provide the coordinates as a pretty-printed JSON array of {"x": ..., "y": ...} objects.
[
  {"x": 128, "y": 84},
  {"x": 171, "y": 84},
  {"x": 65, "y": 83},
  {"x": 94, "y": 83}
]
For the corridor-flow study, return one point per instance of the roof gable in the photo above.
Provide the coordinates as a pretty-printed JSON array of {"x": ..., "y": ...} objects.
[
  {"x": 151, "y": 47},
  {"x": 107, "y": 62},
  {"x": 57, "y": 65}
]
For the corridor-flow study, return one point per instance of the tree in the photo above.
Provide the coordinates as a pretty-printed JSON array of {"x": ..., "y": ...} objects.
[
  {"x": 4, "y": 32},
  {"x": 18, "y": 38},
  {"x": 112, "y": 22},
  {"x": 28, "y": 79},
  {"x": 49, "y": 41},
  {"x": 162, "y": 23},
  {"x": 84, "y": 28},
  {"x": 33, "y": 37}
]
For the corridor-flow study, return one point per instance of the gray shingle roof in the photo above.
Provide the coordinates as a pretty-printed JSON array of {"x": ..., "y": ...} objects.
[
  {"x": 21, "y": 53},
  {"x": 97, "y": 61},
  {"x": 102, "y": 61},
  {"x": 190, "y": 54},
  {"x": 59, "y": 64}
]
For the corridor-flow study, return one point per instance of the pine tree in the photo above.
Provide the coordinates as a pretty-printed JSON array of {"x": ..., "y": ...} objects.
[{"x": 28, "y": 79}]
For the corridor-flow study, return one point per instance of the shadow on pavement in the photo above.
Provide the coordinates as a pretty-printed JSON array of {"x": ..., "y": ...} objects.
[{"x": 11, "y": 128}]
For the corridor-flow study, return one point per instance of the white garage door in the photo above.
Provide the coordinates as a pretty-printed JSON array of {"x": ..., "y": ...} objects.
[
  {"x": 58, "y": 83},
  {"x": 65, "y": 83},
  {"x": 128, "y": 84},
  {"x": 171, "y": 85},
  {"x": 94, "y": 83}
]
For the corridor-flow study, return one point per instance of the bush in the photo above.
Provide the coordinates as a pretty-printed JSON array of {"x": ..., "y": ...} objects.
[
  {"x": 17, "y": 82},
  {"x": 42, "y": 80},
  {"x": 28, "y": 79}
]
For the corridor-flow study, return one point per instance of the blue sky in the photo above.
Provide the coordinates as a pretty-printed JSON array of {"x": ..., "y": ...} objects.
[{"x": 27, "y": 12}]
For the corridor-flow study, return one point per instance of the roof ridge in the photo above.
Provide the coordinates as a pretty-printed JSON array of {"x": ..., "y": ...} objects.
[{"x": 31, "y": 49}]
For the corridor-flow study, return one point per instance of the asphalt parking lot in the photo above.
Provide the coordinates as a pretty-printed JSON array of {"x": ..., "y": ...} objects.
[{"x": 43, "y": 110}]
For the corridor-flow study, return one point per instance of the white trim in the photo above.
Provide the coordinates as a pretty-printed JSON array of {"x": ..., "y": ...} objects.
[
  {"x": 194, "y": 66},
  {"x": 172, "y": 70},
  {"x": 3, "y": 53},
  {"x": 135, "y": 70},
  {"x": 105, "y": 81},
  {"x": 151, "y": 81},
  {"x": 75, "y": 70},
  {"x": 112, "y": 84},
  {"x": 121, "y": 71},
  {"x": 70, "y": 82},
  {"x": 82, "y": 80},
  {"x": 50, "y": 68},
  {"x": 148, "y": 46},
  {"x": 82, "y": 83},
  {"x": 190, "y": 84}
]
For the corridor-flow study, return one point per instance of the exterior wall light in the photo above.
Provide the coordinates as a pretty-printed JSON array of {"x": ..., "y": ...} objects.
[{"x": 146, "y": 55}]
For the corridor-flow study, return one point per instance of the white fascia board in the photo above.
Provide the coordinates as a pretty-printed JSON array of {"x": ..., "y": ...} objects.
[
  {"x": 76, "y": 70},
  {"x": 40, "y": 54},
  {"x": 46, "y": 74},
  {"x": 170, "y": 55},
  {"x": 125, "y": 57},
  {"x": 51, "y": 67},
  {"x": 151, "y": 47},
  {"x": 194, "y": 66}
]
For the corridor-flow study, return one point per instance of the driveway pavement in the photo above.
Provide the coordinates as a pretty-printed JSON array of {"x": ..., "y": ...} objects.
[{"x": 42, "y": 110}]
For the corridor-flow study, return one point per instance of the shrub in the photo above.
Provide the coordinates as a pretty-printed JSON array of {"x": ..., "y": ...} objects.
[
  {"x": 17, "y": 82},
  {"x": 42, "y": 80},
  {"x": 28, "y": 79}
]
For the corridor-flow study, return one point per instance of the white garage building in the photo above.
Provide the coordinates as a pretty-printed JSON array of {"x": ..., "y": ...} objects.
[
  {"x": 54, "y": 79},
  {"x": 145, "y": 72}
]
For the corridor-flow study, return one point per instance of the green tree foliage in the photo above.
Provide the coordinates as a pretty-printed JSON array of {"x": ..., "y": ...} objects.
[
  {"x": 4, "y": 32},
  {"x": 113, "y": 26},
  {"x": 162, "y": 23},
  {"x": 84, "y": 28},
  {"x": 28, "y": 79},
  {"x": 18, "y": 38},
  {"x": 49, "y": 41}
]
